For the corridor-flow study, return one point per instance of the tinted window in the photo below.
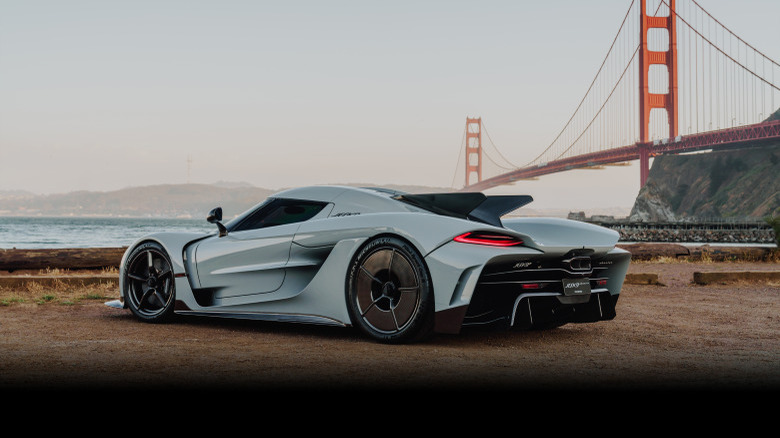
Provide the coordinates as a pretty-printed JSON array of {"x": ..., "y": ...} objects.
[{"x": 280, "y": 212}]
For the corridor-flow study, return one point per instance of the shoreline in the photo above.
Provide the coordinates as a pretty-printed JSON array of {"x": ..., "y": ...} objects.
[{"x": 75, "y": 259}]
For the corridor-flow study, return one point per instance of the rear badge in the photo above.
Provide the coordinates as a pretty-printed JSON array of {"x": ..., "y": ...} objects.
[{"x": 579, "y": 286}]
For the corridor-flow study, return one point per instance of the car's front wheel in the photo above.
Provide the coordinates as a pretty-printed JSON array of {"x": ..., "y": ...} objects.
[
  {"x": 389, "y": 292},
  {"x": 148, "y": 282}
]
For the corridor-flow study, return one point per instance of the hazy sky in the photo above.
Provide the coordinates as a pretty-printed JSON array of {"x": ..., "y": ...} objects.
[{"x": 100, "y": 95}]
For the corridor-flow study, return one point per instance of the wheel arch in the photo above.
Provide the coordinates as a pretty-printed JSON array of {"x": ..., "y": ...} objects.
[
  {"x": 423, "y": 328},
  {"x": 158, "y": 283},
  {"x": 174, "y": 245},
  {"x": 394, "y": 235}
]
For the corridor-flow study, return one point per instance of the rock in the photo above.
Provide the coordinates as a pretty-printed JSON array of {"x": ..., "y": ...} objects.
[
  {"x": 736, "y": 183},
  {"x": 651, "y": 205}
]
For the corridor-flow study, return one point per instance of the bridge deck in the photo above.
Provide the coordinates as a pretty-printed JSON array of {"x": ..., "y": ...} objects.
[{"x": 690, "y": 143}]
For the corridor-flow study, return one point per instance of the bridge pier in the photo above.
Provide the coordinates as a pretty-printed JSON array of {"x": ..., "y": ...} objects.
[{"x": 644, "y": 164}]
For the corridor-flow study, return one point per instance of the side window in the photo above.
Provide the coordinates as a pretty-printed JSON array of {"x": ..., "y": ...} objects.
[{"x": 280, "y": 212}]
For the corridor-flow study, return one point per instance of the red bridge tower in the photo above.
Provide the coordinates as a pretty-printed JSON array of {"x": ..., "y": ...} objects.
[
  {"x": 647, "y": 100},
  {"x": 473, "y": 149}
]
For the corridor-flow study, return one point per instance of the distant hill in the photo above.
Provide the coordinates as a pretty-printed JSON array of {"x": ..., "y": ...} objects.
[
  {"x": 739, "y": 183},
  {"x": 15, "y": 194},
  {"x": 167, "y": 200}
]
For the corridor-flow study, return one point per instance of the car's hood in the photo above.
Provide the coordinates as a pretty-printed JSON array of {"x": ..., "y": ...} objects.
[{"x": 559, "y": 236}]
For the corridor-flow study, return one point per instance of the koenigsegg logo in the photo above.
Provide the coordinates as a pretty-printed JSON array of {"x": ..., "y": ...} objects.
[
  {"x": 606, "y": 262},
  {"x": 520, "y": 265},
  {"x": 346, "y": 213}
]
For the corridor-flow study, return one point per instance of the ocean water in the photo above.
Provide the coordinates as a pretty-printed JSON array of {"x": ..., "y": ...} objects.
[{"x": 80, "y": 232}]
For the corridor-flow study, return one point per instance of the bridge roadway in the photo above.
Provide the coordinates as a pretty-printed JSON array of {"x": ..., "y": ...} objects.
[{"x": 736, "y": 136}]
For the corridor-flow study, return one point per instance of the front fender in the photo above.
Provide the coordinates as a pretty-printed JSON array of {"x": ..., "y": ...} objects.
[{"x": 173, "y": 244}]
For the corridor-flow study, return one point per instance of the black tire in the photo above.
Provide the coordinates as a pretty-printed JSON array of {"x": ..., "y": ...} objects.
[
  {"x": 389, "y": 292},
  {"x": 149, "y": 289}
]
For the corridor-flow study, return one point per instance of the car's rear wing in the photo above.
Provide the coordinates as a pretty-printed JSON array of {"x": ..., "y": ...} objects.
[{"x": 470, "y": 205}]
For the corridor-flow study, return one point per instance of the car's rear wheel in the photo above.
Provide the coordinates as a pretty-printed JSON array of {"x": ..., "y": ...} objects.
[
  {"x": 148, "y": 281},
  {"x": 389, "y": 292}
]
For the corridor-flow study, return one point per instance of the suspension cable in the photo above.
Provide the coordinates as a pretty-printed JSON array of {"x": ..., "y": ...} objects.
[
  {"x": 724, "y": 53},
  {"x": 602, "y": 105},
  {"x": 737, "y": 36},
  {"x": 591, "y": 84}
]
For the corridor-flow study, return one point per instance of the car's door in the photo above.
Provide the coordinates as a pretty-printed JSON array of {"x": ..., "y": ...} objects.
[{"x": 251, "y": 258}]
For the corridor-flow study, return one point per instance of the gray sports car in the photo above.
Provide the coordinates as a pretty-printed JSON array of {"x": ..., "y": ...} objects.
[{"x": 397, "y": 266}]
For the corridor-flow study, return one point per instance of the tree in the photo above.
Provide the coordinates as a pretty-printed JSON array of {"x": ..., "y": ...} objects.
[{"x": 775, "y": 223}]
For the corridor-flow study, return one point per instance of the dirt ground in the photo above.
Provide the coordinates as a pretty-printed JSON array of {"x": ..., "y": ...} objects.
[{"x": 672, "y": 336}]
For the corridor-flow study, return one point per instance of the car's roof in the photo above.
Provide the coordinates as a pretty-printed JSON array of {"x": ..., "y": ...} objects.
[
  {"x": 349, "y": 201},
  {"x": 328, "y": 193},
  {"x": 359, "y": 200}
]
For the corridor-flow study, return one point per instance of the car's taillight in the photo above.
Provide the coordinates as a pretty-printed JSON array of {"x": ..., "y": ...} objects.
[{"x": 490, "y": 239}]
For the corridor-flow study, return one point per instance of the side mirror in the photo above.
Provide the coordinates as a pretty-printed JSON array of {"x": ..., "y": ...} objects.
[{"x": 215, "y": 217}]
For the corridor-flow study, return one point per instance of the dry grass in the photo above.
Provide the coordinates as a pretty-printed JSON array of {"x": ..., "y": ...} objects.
[
  {"x": 661, "y": 260},
  {"x": 62, "y": 272},
  {"x": 59, "y": 294},
  {"x": 707, "y": 256}
]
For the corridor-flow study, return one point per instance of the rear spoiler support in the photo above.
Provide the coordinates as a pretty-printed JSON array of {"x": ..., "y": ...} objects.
[{"x": 470, "y": 205}]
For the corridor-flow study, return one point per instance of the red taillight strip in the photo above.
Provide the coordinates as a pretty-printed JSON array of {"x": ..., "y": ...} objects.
[{"x": 490, "y": 239}]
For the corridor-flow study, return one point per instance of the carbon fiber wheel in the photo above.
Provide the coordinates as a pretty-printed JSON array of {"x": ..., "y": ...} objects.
[
  {"x": 389, "y": 292},
  {"x": 148, "y": 281}
]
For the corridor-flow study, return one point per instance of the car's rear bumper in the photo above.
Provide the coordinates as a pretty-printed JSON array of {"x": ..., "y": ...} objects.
[{"x": 524, "y": 290}]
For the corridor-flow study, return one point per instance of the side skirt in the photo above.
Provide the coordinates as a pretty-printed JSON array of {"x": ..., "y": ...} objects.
[{"x": 273, "y": 317}]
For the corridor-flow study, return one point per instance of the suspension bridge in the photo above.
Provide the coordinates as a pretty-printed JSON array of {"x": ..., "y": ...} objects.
[{"x": 674, "y": 80}]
